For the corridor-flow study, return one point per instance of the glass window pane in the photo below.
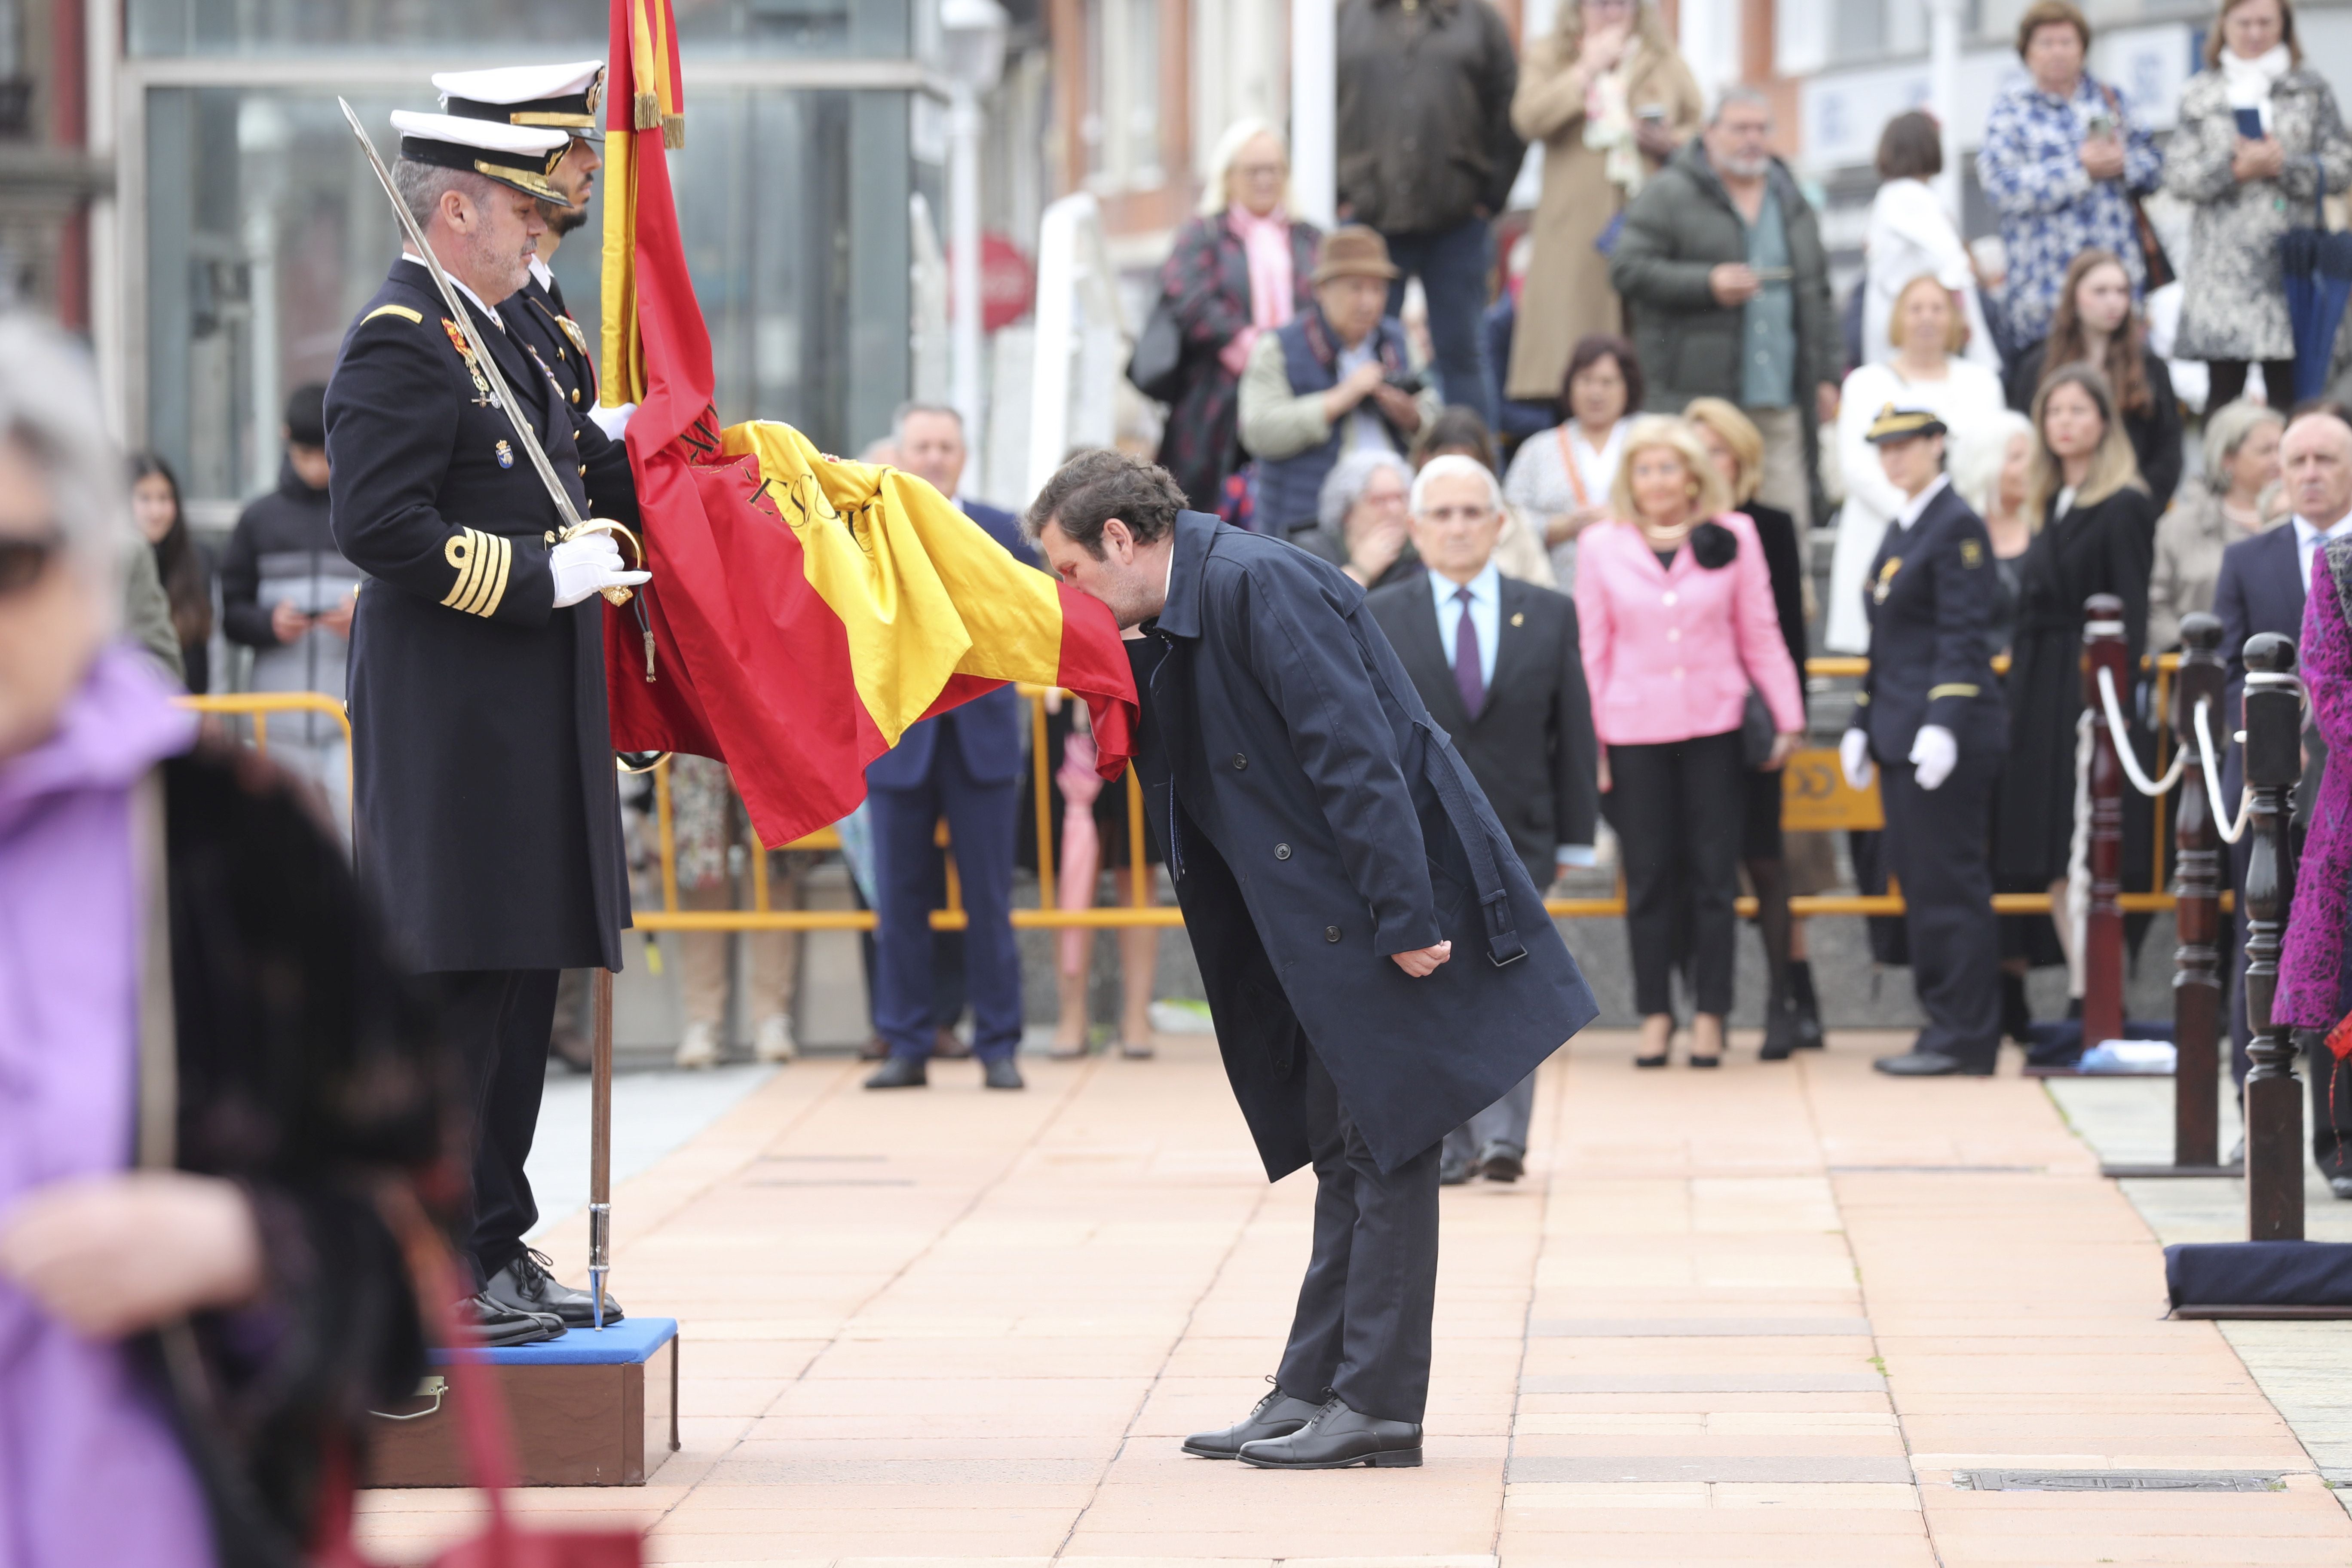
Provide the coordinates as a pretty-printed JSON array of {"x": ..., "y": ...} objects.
[{"x": 551, "y": 29}]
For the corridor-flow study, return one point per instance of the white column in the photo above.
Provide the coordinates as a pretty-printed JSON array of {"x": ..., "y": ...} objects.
[
  {"x": 1314, "y": 109},
  {"x": 101, "y": 57},
  {"x": 1944, "y": 94},
  {"x": 963, "y": 260}
]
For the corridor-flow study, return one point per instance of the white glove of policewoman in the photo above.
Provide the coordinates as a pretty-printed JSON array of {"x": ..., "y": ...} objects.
[
  {"x": 1936, "y": 752},
  {"x": 586, "y": 565},
  {"x": 1853, "y": 759}
]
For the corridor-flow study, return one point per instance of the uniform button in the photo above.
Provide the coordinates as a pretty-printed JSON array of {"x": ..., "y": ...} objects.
[
  {"x": 1330, "y": 933},
  {"x": 1282, "y": 851},
  {"x": 1240, "y": 762}
]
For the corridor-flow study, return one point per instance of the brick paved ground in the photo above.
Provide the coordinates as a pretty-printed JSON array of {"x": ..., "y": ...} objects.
[{"x": 1760, "y": 1316}]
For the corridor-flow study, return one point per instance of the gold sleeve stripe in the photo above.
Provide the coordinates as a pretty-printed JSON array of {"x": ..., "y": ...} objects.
[
  {"x": 402, "y": 311},
  {"x": 1954, "y": 688},
  {"x": 481, "y": 560}
]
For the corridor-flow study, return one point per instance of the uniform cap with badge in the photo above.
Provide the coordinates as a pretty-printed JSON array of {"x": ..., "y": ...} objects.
[
  {"x": 1895, "y": 423},
  {"x": 517, "y": 156},
  {"x": 562, "y": 97}
]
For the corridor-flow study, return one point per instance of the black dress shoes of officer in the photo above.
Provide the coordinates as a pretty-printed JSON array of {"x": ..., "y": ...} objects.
[
  {"x": 899, "y": 1072},
  {"x": 525, "y": 1286},
  {"x": 1337, "y": 1438},
  {"x": 501, "y": 1326},
  {"x": 1276, "y": 1416},
  {"x": 1001, "y": 1073},
  {"x": 1500, "y": 1161},
  {"x": 1930, "y": 1064}
]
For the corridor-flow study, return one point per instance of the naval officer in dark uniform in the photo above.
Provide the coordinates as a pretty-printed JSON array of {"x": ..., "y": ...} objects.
[
  {"x": 1930, "y": 715},
  {"x": 485, "y": 798}
]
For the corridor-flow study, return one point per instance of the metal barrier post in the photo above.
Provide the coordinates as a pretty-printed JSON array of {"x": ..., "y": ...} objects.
[
  {"x": 2103, "y": 941},
  {"x": 2274, "y": 1095},
  {"x": 2197, "y": 963}
]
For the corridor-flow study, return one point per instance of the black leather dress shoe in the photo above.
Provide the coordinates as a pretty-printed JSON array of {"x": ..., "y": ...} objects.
[
  {"x": 1277, "y": 1416},
  {"x": 1929, "y": 1064},
  {"x": 1501, "y": 1162},
  {"x": 899, "y": 1072},
  {"x": 1337, "y": 1438},
  {"x": 1001, "y": 1073},
  {"x": 501, "y": 1326},
  {"x": 525, "y": 1286}
]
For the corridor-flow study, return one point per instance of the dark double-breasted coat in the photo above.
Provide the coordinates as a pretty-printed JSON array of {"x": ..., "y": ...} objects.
[
  {"x": 538, "y": 312},
  {"x": 485, "y": 802},
  {"x": 1317, "y": 821}
]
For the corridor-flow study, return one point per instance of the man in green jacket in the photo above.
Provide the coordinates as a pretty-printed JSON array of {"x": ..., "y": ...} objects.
[{"x": 1722, "y": 272}]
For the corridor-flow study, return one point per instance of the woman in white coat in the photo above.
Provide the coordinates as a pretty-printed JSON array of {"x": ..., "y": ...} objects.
[
  {"x": 1910, "y": 233},
  {"x": 1926, "y": 372}
]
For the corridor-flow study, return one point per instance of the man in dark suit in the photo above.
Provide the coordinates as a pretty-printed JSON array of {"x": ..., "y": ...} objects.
[
  {"x": 482, "y": 752},
  {"x": 964, "y": 765},
  {"x": 1498, "y": 663},
  {"x": 1330, "y": 851},
  {"x": 2261, "y": 589}
]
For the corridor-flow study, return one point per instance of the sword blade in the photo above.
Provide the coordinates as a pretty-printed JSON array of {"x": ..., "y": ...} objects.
[{"x": 499, "y": 391}]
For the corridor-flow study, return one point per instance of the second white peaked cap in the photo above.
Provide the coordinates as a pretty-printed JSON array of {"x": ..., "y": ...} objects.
[{"x": 519, "y": 84}]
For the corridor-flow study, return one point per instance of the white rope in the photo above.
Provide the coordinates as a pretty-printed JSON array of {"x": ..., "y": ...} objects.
[
  {"x": 2124, "y": 753},
  {"x": 2230, "y": 832}
]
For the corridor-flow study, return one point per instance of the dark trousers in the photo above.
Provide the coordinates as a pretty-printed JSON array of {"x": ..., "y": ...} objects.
[
  {"x": 1679, "y": 808},
  {"x": 497, "y": 1022},
  {"x": 1452, "y": 264},
  {"x": 947, "y": 952},
  {"x": 980, "y": 831},
  {"x": 1363, "y": 1328},
  {"x": 2226, "y": 378},
  {"x": 1939, "y": 846}
]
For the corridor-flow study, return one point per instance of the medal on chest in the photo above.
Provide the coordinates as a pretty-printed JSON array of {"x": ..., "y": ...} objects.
[
  {"x": 482, "y": 398},
  {"x": 1886, "y": 583}
]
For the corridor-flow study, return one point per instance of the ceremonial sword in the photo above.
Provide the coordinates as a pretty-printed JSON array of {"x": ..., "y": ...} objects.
[
  {"x": 575, "y": 525},
  {"x": 600, "y": 1208}
]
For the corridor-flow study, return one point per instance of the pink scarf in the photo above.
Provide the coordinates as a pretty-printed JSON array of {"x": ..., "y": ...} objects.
[{"x": 1274, "y": 282}]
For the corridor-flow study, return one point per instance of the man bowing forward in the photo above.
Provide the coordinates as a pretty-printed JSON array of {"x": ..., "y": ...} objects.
[{"x": 1378, "y": 965}]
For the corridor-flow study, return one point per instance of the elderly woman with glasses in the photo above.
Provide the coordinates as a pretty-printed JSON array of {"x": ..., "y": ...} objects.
[
  {"x": 219, "y": 1098},
  {"x": 1363, "y": 526}
]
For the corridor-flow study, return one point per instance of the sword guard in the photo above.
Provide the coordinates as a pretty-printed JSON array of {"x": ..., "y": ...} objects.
[{"x": 615, "y": 596}]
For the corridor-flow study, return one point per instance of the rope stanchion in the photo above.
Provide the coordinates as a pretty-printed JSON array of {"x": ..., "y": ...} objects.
[
  {"x": 2104, "y": 655},
  {"x": 2125, "y": 752},
  {"x": 2274, "y": 1095},
  {"x": 2231, "y": 830}
]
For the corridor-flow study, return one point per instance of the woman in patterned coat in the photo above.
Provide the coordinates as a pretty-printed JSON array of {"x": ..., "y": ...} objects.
[
  {"x": 2248, "y": 191},
  {"x": 1241, "y": 267}
]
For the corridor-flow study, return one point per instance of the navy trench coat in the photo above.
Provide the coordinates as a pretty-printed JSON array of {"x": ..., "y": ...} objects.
[{"x": 1316, "y": 821}]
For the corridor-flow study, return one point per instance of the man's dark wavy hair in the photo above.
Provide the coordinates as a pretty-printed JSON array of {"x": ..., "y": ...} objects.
[{"x": 1094, "y": 486}]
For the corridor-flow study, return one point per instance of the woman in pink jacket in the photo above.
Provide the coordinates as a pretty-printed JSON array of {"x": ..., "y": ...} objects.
[{"x": 1675, "y": 608}]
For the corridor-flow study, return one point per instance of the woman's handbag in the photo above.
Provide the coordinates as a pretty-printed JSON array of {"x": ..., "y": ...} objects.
[
  {"x": 2156, "y": 266},
  {"x": 1156, "y": 367},
  {"x": 1757, "y": 732}
]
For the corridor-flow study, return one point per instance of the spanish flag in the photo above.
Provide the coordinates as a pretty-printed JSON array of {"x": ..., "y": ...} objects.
[{"x": 804, "y": 611}]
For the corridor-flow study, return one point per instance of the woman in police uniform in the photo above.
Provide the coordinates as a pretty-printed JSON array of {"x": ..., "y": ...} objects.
[{"x": 1931, "y": 715}]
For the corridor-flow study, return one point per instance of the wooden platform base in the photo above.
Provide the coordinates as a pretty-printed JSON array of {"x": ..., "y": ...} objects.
[{"x": 588, "y": 1410}]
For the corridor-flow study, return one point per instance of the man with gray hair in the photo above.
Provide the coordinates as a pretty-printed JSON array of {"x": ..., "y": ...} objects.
[
  {"x": 485, "y": 804},
  {"x": 1726, "y": 288},
  {"x": 1497, "y": 661}
]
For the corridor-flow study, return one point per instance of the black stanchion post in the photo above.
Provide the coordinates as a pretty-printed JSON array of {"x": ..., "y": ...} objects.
[
  {"x": 2273, "y": 1096},
  {"x": 2102, "y": 943}
]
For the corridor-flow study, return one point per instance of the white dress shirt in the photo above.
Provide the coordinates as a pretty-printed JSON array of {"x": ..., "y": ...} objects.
[
  {"x": 458, "y": 284},
  {"x": 2308, "y": 536},
  {"x": 1485, "y": 614}
]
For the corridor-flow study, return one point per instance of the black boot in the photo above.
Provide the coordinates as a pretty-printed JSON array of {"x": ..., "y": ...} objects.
[
  {"x": 1805, "y": 1005},
  {"x": 1337, "y": 1438},
  {"x": 1276, "y": 1416},
  {"x": 2016, "y": 1015}
]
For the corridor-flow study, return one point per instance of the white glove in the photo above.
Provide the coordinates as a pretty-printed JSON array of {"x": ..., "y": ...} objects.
[
  {"x": 1936, "y": 752},
  {"x": 587, "y": 565},
  {"x": 614, "y": 422},
  {"x": 1853, "y": 759}
]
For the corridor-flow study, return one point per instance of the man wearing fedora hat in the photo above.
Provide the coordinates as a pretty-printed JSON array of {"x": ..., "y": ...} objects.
[{"x": 1336, "y": 378}]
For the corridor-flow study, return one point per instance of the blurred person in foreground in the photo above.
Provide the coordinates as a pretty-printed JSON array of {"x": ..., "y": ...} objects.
[
  {"x": 1927, "y": 370},
  {"x": 1518, "y": 550},
  {"x": 1562, "y": 475},
  {"x": 2222, "y": 505},
  {"x": 1793, "y": 1020},
  {"x": 1337, "y": 378},
  {"x": 1498, "y": 663},
  {"x": 1428, "y": 158},
  {"x": 1722, "y": 269},
  {"x": 1379, "y": 964},
  {"x": 181, "y": 564},
  {"x": 195, "y": 986},
  {"x": 2259, "y": 141},
  {"x": 2060, "y": 163},
  {"x": 288, "y": 593},
  {"x": 1241, "y": 267},
  {"x": 1930, "y": 714},
  {"x": 2095, "y": 324},
  {"x": 1607, "y": 94},
  {"x": 1673, "y": 603}
]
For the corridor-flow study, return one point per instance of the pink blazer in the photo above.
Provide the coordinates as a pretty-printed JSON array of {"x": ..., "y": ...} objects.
[{"x": 1669, "y": 655}]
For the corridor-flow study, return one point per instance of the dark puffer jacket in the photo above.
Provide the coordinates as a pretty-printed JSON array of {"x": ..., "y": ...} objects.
[{"x": 1425, "y": 113}]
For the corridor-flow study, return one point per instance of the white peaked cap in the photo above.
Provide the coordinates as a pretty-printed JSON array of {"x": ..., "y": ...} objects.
[{"x": 490, "y": 135}]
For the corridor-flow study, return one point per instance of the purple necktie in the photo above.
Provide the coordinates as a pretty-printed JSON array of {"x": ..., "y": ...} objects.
[{"x": 1465, "y": 658}]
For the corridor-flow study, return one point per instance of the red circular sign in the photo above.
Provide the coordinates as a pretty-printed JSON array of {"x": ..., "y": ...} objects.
[{"x": 1007, "y": 282}]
